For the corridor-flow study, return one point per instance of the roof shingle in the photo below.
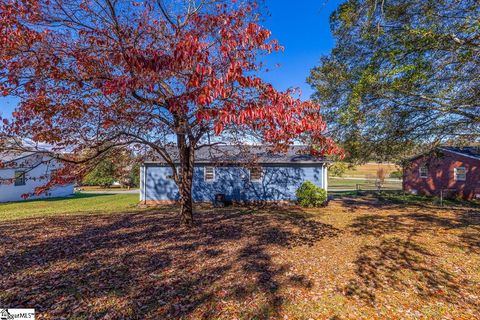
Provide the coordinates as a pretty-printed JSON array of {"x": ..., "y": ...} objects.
[
  {"x": 473, "y": 152},
  {"x": 245, "y": 154}
]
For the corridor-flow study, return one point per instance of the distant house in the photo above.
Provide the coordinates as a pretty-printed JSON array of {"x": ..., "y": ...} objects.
[
  {"x": 21, "y": 173},
  {"x": 452, "y": 171},
  {"x": 250, "y": 174}
]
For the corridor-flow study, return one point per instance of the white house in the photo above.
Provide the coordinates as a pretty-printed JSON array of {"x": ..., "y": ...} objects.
[{"x": 21, "y": 173}]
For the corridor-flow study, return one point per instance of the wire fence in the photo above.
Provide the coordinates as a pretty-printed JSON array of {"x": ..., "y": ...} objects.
[{"x": 366, "y": 186}]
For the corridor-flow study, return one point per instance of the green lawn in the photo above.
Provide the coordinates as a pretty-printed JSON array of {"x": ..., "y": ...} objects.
[
  {"x": 102, "y": 189},
  {"x": 364, "y": 176},
  {"x": 77, "y": 204},
  {"x": 351, "y": 184}
]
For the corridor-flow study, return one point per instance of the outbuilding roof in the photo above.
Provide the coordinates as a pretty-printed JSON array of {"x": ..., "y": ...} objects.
[
  {"x": 472, "y": 152},
  {"x": 228, "y": 154},
  {"x": 469, "y": 151}
]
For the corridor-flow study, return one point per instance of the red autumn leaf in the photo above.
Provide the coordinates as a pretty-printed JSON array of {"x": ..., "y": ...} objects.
[{"x": 218, "y": 128}]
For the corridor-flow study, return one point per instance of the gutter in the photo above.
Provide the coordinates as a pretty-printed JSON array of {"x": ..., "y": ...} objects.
[{"x": 144, "y": 184}]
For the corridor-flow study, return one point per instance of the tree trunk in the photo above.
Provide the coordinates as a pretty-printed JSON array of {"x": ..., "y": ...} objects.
[
  {"x": 186, "y": 208},
  {"x": 184, "y": 182}
]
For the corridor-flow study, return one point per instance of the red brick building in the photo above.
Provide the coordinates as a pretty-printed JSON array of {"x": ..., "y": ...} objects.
[{"x": 453, "y": 171}]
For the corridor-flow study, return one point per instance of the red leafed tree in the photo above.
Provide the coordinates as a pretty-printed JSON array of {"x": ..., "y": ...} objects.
[{"x": 93, "y": 76}]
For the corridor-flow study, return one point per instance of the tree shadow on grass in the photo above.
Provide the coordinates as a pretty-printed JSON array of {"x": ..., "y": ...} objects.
[
  {"x": 398, "y": 261},
  {"x": 395, "y": 201},
  {"x": 471, "y": 240},
  {"x": 144, "y": 266},
  {"x": 400, "y": 264}
]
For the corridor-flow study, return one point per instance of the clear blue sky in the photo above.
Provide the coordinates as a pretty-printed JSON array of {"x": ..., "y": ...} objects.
[{"x": 301, "y": 26}]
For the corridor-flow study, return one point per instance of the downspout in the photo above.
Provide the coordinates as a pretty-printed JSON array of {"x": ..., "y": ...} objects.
[
  {"x": 325, "y": 175},
  {"x": 144, "y": 184}
]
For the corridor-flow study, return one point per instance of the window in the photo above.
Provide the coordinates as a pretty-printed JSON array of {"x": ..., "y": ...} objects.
[
  {"x": 256, "y": 174},
  {"x": 423, "y": 172},
  {"x": 20, "y": 178},
  {"x": 460, "y": 174},
  {"x": 209, "y": 174}
]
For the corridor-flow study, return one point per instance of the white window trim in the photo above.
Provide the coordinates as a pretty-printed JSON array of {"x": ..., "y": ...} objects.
[
  {"x": 255, "y": 180},
  {"x": 455, "y": 174},
  {"x": 420, "y": 172},
  {"x": 205, "y": 174}
]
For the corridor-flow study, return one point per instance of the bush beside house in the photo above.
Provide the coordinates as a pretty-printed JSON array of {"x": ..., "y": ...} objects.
[{"x": 309, "y": 195}]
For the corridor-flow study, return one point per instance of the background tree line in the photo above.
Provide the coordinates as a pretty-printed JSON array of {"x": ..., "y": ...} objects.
[{"x": 122, "y": 168}]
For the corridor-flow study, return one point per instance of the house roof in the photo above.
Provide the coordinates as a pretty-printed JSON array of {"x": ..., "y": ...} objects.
[
  {"x": 245, "y": 154},
  {"x": 9, "y": 156},
  {"x": 471, "y": 152}
]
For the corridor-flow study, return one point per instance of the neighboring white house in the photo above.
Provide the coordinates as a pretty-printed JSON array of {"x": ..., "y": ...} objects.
[{"x": 21, "y": 173}]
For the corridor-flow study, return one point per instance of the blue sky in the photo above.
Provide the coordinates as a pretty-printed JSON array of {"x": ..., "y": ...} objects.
[{"x": 301, "y": 26}]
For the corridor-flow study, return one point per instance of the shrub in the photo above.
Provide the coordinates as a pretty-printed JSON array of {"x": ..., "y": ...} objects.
[
  {"x": 309, "y": 195},
  {"x": 396, "y": 175}
]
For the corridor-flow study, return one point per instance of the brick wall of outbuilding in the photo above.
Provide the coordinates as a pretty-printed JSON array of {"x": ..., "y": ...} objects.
[{"x": 441, "y": 175}]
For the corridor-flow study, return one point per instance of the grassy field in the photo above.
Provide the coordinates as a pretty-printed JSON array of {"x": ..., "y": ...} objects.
[
  {"x": 351, "y": 184},
  {"x": 77, "y": 204},
  {"x": 384, "y": 257},
  {"x": 363, "y": 177},
  {"x": 370, "y": 170}
]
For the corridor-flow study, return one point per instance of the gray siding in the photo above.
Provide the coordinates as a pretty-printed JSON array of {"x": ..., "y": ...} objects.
[{"x": 278, "y": 183}]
